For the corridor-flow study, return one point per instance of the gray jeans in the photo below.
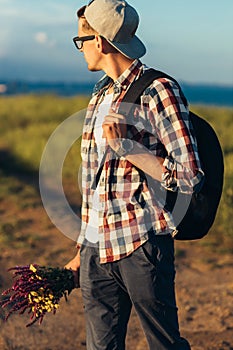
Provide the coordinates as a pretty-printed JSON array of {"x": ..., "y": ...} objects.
[{"x": 144, "y": 279}]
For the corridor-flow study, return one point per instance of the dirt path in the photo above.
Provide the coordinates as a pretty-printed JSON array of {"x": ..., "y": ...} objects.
[{"x": 204, "y": 286}]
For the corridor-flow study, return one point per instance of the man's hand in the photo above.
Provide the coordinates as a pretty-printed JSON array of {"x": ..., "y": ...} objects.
[
  {"x": 74, "y": 265},
  {"x": 114, "y": 128}
]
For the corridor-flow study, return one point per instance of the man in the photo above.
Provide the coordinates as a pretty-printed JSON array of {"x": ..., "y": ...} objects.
[{"x": 126, "y": 245}]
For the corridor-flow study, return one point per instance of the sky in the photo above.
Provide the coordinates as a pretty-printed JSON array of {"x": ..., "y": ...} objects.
[{"x": 191, "y": 40}]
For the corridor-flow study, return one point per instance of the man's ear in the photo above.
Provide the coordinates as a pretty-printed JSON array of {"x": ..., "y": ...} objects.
[{"x": 99, "y": 43}]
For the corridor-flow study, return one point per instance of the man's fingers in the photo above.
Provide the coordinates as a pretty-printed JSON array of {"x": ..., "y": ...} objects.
[
  {"x": 119, "y": 118},
  {"x": 111, "y": 131},
  {"x": 113, "y": 120},
  {"x": 114, "y": 126}
]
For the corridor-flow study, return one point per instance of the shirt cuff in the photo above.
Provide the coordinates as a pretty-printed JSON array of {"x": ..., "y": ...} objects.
[
  {"x": 169, "y": 181},
  {"x": 188, "y": 181},
  {"x": 81, "y": 238}
]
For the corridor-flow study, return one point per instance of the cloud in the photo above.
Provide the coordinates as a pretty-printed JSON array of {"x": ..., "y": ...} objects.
[{"x": 42, "y": 38}]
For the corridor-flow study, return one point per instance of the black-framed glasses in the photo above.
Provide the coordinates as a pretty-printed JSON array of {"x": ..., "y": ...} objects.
[{"x": 79, "y": 40}]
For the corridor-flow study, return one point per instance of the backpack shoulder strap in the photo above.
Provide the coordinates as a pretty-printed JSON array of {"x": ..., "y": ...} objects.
[
  {"x": 138, "y": 86},
  {"x": 131, "y": 98}
]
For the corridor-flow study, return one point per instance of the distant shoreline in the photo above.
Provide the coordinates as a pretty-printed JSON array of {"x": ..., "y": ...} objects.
[{"x": 196, "y": 93}]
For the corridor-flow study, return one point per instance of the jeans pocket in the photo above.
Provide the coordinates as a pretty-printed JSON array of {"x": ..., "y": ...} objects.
[{"x": 147, "y": 253}]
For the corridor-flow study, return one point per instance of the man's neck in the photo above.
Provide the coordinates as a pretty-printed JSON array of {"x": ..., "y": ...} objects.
[{"x": 116, "y": 65}]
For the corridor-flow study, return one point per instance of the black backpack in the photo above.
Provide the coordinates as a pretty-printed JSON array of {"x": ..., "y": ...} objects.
[{"x": 200, "y": 208}]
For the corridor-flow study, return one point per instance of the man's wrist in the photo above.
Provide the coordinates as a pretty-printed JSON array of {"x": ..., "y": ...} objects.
[{"x": 125, "y": 147}]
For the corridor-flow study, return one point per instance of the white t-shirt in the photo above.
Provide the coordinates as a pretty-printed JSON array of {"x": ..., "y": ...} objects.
[{"x": 92, "y": 229}]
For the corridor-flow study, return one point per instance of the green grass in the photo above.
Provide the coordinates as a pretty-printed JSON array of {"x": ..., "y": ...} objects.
[
  {"x": 28, "y": 121},
  {"x": 23, "y": 111}
]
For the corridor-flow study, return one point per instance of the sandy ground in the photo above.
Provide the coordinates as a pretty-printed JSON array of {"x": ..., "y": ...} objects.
[{"x": 204, "y": 287}]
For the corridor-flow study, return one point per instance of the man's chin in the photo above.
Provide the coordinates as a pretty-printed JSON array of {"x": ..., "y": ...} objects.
[{"x": 93, "y": 69}]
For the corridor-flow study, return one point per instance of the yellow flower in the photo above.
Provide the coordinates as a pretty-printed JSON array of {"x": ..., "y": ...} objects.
[
  {"x": 38, "y": 277},
  {"x": 32, "y": 268}
]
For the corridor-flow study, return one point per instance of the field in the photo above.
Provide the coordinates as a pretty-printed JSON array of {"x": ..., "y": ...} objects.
[{"x": 204, "y": 268}]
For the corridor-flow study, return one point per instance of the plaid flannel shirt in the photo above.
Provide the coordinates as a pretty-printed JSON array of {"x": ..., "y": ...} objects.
[{"x": 130, "y": 208}]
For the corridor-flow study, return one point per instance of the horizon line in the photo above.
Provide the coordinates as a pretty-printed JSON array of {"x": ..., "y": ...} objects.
[{"x": 5, "y": 81}]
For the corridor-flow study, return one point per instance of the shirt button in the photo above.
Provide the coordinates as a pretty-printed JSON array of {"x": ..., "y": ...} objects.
[{"x": 116, "y": 90}]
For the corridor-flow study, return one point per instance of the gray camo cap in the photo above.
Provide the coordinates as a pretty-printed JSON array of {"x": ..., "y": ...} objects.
[{"x": 117, "y": 22}]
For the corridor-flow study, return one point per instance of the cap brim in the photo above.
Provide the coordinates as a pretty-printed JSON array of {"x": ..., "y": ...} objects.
[
  {"x": 81, "y": 11},
  {"x": 134, "y": 49}
]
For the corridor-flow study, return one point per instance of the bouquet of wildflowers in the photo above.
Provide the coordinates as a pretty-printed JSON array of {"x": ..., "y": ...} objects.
[{"x": 37, "y": 289}]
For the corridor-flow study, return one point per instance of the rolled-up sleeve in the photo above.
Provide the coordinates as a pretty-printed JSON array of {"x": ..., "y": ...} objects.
[
  {"x": 172, "y": 126},
  {"x": 177, "y": 177}
]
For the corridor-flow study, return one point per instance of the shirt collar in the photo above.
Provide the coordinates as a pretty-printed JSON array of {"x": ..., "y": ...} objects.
[{"x": 123, "y": 81}]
